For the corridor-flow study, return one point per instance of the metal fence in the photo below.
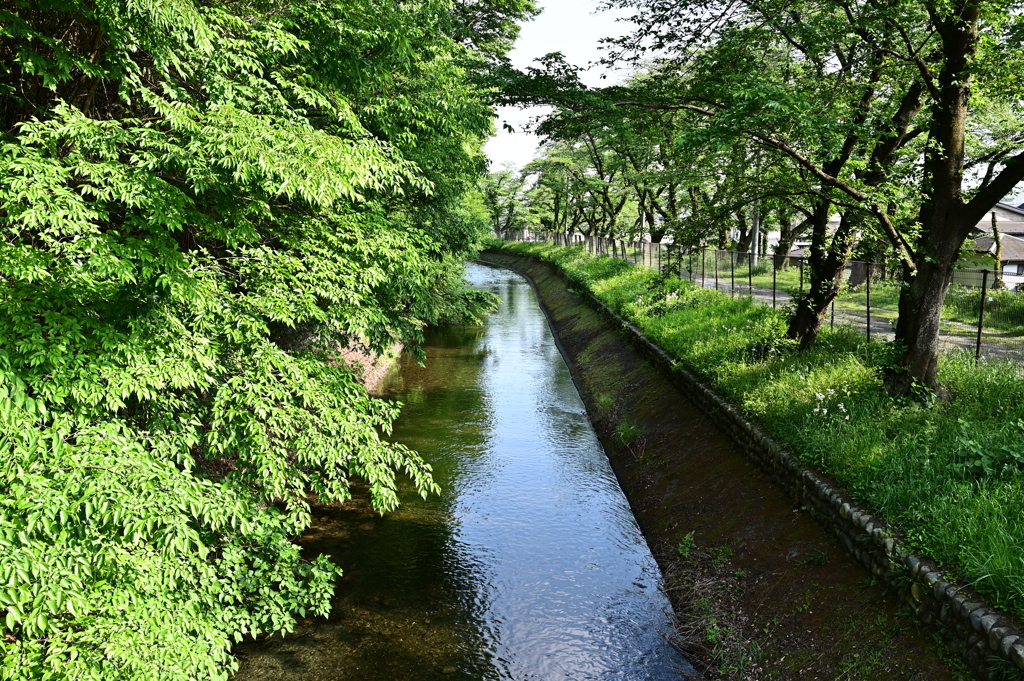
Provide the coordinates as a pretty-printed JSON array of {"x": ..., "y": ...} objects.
[{"x": 983, "y": 313}]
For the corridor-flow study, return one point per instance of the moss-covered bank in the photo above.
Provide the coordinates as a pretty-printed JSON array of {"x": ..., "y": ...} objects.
[{"x": 762, "y": 592}]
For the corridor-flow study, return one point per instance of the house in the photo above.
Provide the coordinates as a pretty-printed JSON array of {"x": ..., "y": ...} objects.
[
  {"x": 1010, "y": 220},
  {"x": 1013, "y": 250}
]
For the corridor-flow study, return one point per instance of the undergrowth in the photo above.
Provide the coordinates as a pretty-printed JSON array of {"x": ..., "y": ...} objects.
[{"x": 949, "y": 475}]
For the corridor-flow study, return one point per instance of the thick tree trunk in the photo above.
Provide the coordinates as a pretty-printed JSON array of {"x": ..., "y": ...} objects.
[
  {"x": 918, "y": 328},
  {"x": 657, "y": 232},
  {"x": 858, "y": 273},
  {"x": 945, "y": 219}
]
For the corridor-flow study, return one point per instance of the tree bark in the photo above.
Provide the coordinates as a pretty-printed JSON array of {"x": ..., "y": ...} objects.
[
  {"x": 788, "y": 234},
  {"x": 811, "y": 308},
  {"x": 944, "y": 217},
  {"x": 997, "y": 282},
  {"x": 743, "y": 243}
]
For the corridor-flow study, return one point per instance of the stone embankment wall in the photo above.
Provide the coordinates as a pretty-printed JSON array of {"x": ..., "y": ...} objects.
[{"x": 979, "y": 633}]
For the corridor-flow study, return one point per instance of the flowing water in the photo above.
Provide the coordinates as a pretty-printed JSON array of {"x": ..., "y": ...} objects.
[{"x": 529, "y": 565}]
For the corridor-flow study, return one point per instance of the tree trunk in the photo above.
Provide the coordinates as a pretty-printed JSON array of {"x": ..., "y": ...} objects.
[
  {"x": 826, "y": 276},
  {"x": 743, "y": 244},
  {"x": 945, "y": 219},
  {"x": 918, "y": 328},
  {"x": 657, "y": 232},
  {"x": 997, "y": 282},
  {"x": 858, "y": 273},
  {"x": 788, "y": 234}
]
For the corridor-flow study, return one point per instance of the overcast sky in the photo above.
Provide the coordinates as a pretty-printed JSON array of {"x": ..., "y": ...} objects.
[{"x": 571, "y": 27}]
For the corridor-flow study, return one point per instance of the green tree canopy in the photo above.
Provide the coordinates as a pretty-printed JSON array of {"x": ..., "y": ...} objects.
[{"x": 200, "y": 203}]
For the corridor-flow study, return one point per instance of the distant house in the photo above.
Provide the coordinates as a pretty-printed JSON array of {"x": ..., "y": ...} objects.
[
  {"x": 1010, "y": 219},
  {"x": 1013, "y": 251}
]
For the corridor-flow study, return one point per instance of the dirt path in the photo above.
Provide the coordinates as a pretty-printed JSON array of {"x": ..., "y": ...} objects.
[{"x": 762, "y": 592}]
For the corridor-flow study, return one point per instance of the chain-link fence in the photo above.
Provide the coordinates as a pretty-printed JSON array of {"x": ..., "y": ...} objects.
[{"x": 983, "y": 313}]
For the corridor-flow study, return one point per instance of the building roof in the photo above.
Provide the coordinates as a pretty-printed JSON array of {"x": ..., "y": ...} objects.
[
  {"x": 1019, "y": 210},
  {"x": 1013, "y": 247}
]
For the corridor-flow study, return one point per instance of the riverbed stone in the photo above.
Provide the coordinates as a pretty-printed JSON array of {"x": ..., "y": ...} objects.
[
  {"x": 967, "y": 608},
  {"x": 977, "y": 619},
  {"x": 1006, "y": 644},
  {"x": 1017, "y": 653},
  {"x": 996, "y": 634}
]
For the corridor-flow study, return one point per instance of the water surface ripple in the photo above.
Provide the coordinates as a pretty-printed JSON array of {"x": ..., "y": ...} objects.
[{"x": 530, "y": 564}]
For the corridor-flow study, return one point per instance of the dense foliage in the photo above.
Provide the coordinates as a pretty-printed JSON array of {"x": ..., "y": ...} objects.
[
  {"x": 200, "y": 204},
  {"x": 948, "y": 474}
]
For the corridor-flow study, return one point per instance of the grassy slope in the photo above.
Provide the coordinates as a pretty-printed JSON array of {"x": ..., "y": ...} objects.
[{"x": 949, "y": 475}]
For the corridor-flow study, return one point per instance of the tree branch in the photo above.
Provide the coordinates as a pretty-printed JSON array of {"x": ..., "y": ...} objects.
[{"x": 995, "y": 190}]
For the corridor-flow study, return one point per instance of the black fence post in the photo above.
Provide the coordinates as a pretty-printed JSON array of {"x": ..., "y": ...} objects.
[
  {"x": 801, "y": 276},
  {"x": 867, "y": 265},
  {"x": 732, "y": 274},
  {"x": 832, "y": 323},
  {"x": 750, "y": 276},
  {"x": 981, "y": 314},
  {"x": 774, "y": 276},
  {"x": 717, "y": 253},
  {"x": 690, "y": 271}
]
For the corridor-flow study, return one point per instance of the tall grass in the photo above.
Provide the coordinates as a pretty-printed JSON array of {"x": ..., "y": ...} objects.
[{"x": 950, "y": 475}]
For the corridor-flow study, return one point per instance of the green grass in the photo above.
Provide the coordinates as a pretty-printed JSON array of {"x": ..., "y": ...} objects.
[
  {"x": 950, "y": 475},
  {"x": 1004, "y": 309}
]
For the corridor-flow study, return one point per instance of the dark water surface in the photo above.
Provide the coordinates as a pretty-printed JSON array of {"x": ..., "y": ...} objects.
[{"x": 528, "y": 566}]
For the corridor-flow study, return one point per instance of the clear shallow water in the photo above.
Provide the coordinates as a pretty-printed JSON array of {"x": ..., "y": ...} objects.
[{"x": 528, "y": 566}]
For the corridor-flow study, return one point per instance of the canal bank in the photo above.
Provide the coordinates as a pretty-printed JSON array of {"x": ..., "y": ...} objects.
[
  {"x": 761, "y": 591},
  {"x": 528, "y": 565}
]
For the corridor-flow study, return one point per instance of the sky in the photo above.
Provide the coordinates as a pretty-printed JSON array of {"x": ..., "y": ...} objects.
[{"x": 572, "y": 27}]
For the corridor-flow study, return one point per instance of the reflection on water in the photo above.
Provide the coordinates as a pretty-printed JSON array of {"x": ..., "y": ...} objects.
[{"x": 528, "y": 566}]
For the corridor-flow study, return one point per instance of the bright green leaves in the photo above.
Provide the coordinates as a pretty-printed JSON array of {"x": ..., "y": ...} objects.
[
  {"x": 200, "y": 205},
  {"x": 107, "y": 561}
]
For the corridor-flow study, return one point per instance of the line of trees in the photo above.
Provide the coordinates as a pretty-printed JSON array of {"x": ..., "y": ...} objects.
[
  {"x": 903, "y": 118},
  {"x": 200, "y": 203}
]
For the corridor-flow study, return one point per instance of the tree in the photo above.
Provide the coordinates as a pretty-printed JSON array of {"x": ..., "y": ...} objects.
[
  {"x": 503, "y": 196},
  {"x": 939, "y": 64},
  {"x": 200, "y": 202}
]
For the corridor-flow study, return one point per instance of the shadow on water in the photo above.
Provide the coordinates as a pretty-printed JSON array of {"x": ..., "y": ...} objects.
[{"x": 529, "y": 565}]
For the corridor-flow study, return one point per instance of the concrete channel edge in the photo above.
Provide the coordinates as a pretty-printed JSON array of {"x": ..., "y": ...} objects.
[{"x": 969, "y": 626}]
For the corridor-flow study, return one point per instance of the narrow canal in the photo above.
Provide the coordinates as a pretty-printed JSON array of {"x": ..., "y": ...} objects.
[{"x": 529, "y": 565}]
